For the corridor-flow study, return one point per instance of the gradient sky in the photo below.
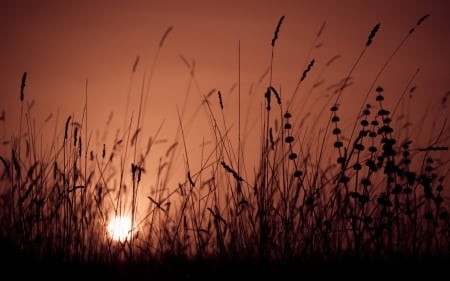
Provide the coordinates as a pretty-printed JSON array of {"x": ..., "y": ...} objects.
[{"x": 61, "y": 44}]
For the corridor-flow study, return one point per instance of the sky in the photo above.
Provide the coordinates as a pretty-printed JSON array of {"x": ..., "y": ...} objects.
[{"x": 79, "y": 53}]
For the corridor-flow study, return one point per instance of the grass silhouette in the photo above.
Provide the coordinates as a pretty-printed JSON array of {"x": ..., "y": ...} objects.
[{"x": 350, "y": 200}]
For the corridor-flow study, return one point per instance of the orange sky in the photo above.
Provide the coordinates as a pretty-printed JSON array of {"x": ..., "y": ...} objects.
[{"x": 60, "y": 44}]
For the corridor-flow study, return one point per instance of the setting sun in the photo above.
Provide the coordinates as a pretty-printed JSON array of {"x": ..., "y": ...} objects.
[{"x": 119, "y": 228}]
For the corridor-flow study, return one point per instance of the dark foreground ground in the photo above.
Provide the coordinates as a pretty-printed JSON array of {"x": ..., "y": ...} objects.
[
  {"x": 344, "y": 270},
  {"x": 16, "y": 266}
]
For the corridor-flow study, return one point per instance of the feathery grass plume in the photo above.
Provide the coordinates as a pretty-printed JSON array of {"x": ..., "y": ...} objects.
[
  {"x": 372, "y": 34},
  {"x": 136, "y": 62},
  {"x": 220, "y": 99},
  {"x": 80, "y": 147},
  {"x": 165, "y": 36},
  {"x": 308, "y": 69},
  {"x": 305, "y": 72},
  {"x": 419, "y": 22},
  {"x": 30, "y": 105},
  {"x": 333, "y": 59},
  {"x": 75, "y": 136},
  {"x": 272, "y": 142},
  {"x": 133, "y": 170},
  {"x": 208, "y": 95},
  {"x": 231, "y": 171},
  {"x": 275, "y": 36},
  {"x": 171, "y": 148},
  {"x": 135, "y": 136},
  {"x": 15, "y": 162},
  {"x": 267, "y": 96},
  {"x": 444, "y": 99},
  {"x": 191, "y": 181},
  {"x": 277, "y": 96},
  {"x": 6, "y": 165},
  {"x": 322, "y": 27},
  {"x": 22, "y": 85},
  {"x": 186, "y": 62},
  {"x": 158, "y": 204},
  {"x": 67, "y": 127}
]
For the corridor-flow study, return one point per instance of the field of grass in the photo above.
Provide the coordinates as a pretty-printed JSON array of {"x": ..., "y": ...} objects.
[{"x": 339, "y": 198}]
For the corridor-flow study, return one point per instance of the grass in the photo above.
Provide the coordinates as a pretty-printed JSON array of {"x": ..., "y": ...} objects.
[{"x": 350, "y": 197}]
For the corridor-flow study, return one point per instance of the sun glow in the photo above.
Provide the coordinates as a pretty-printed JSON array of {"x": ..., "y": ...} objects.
[{"x": 119, "y": 228}]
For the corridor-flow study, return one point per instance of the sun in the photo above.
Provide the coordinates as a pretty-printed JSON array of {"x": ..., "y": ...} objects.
[{"x": 119, "y": 228}]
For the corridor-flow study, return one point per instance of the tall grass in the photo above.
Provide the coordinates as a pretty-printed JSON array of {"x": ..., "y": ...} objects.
[{"x": 326, "y": 194}]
